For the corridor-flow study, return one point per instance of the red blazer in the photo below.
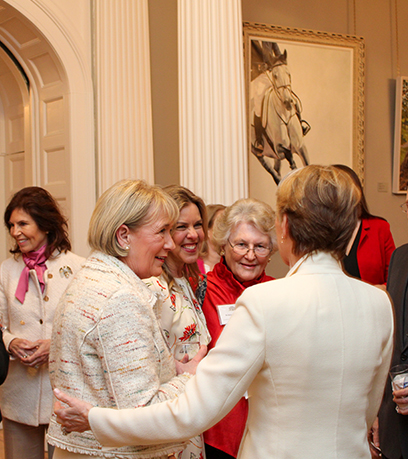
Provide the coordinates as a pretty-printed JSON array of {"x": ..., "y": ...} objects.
[
  {"x": 223, "y": 288},
  {"x": 374, "y": 250}
]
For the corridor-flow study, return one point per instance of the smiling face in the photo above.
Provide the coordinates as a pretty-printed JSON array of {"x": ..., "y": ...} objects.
[
  {"x": 188, "y": 237},
  {"x": 149, "y": 246},
  {"x": 25, "y": 231},
  {"x": 250, "y": 266}
]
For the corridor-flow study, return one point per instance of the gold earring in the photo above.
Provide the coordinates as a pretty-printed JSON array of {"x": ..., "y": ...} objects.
[{"x": 222, "y": 253}]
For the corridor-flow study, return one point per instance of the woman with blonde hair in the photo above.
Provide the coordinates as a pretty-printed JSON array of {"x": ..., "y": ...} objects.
[
  {"x": 312, "y": 349},
  {"x": 107, "y": 343},
  {"x": 182, "y": 319}
]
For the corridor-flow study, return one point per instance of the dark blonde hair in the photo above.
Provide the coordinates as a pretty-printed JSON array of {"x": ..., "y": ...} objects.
[
  {"x": 253, "y": 211},
  {"x": 129, "y": 202},
  {"x": 212, "y": 211},
  {"x": 364, "y": 212},
  {"x": 183, "y": 196},
  {"x": 321, "y": 204}
]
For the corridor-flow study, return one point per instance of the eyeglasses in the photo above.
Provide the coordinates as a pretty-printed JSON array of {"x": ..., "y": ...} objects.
[
  {"x": 404, "y": 207},
  {"x": 242, "y": 249}
]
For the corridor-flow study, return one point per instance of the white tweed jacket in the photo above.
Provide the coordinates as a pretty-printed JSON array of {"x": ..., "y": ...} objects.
[
  {"x": 108, "y": 348},
  {"x": 26, "y": 395}
]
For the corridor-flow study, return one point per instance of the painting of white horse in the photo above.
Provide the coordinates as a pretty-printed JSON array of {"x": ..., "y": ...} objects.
[{"x": 275, "y": 110}]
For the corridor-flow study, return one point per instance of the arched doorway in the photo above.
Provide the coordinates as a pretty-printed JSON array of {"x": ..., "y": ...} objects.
[
  {"x": 46, "y": 128},
  {"x": 15, "y": 171}
]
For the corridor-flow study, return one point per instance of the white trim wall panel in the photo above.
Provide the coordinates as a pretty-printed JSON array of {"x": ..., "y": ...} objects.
[
  {"x": 213, "y": 157},
  {"x": 123, "y": 91}
]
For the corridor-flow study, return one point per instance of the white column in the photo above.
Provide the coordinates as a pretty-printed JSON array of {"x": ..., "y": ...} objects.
[
  {"x": 123, "y": 93},
  {"x": 213, "y": 146}
]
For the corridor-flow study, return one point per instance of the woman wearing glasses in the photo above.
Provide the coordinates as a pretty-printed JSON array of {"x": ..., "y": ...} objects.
[
  {"x": 312, "y": 349},
  {"x": 244, "y": 236}
]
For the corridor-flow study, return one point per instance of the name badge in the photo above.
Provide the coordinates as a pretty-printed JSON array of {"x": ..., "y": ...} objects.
[{"x": 225, "y": 312}]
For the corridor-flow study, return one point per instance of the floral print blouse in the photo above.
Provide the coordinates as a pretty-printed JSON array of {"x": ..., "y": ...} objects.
[
  {"x": 185, "y": 328},
  {"x": 182, "y": 318}
]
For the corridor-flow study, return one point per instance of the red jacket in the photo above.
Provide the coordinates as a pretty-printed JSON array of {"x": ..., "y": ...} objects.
[
  {"x": 223, "y": 288},
  {"x": 374, "y": 250}
]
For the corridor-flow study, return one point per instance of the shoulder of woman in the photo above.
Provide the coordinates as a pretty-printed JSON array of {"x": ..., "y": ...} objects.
[
  {"x": 156, "y": 284},
  {"x": 12, "y": 265}
]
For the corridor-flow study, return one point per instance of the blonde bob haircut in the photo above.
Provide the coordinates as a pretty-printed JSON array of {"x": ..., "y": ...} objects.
[
  {"x": 257, "y": 213},
  {"x": 133, "y": 203},
  {"x": 322, "y": 205}
]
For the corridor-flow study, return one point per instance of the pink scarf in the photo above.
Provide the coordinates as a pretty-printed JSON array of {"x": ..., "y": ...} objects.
[{"x": 33, "y": 260}]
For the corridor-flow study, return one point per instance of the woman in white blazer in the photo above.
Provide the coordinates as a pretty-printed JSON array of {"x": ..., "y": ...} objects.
[
  {"x": 312, "y": 349},
  {"x": 31, "y": 284}
]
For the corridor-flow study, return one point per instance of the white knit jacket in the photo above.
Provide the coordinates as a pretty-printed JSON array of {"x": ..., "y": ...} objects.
[
  {"x": 26, "y": 395},
  {"x": 108, "y": 349}
]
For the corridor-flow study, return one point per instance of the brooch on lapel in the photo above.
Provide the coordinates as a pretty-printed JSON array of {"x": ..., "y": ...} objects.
[{"x": 65, "y": 271}]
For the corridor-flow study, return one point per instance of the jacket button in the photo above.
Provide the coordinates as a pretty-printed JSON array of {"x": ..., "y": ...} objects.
[
  {"x": 46, "y": 298},
  {"x": 403, "y": 357},
  {"x": 49, "y": 276},
  {"x": 41, "y": 321}
]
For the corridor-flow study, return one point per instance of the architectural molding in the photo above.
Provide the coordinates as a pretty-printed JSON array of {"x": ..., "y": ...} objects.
[
  {"x": 122, "y": 91},
  {"x": 213, "y": 156}
]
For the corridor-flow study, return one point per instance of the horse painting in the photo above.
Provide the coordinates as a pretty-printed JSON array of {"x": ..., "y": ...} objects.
[{"x": 275, "y": 111}]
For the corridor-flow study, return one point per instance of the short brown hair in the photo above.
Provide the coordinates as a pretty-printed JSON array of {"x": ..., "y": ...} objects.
[
  {"x": 44, "y": 210},
  {"x": 322, "y": 207},
  {"x": 129, "y": 202}
]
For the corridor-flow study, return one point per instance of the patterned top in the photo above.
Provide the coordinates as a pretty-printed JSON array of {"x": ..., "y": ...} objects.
[
  {"x": 184, "y": 325},
  {"x": 182, "y": 318},
  {"x": 108, "y": 349}
]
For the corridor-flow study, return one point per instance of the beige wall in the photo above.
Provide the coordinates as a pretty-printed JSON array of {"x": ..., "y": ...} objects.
[
  {"x": 164, "y": 75},
  {"x": 375, "y": 21}
]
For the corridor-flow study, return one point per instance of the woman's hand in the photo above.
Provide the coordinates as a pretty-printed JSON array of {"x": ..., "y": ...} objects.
[
  {"x": 40, "y": 356},
  {"x": 32, "y": 354},
  {"x": 73, "y": 418},
  {"x": 22, "y": 349},
  {"x": 401, "y": 399},
  {"x": 191, "y": 366}
]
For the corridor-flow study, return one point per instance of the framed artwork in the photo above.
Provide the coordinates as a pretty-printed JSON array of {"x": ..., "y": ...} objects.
[
  {"x": 400, "y": 160},
  {"x": 305, "y": 102}
]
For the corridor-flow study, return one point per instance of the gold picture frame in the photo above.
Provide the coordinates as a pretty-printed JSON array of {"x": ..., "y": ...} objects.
[
  {"x": 400, "y": 157},
  {"x": 326, "y": 78}
]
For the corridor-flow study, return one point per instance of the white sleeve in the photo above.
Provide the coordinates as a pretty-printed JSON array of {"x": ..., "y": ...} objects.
[{"x": 221, "y": 380}]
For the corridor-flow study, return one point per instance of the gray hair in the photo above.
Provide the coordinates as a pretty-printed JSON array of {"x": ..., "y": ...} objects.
[{"x": 250, "y": 210}]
